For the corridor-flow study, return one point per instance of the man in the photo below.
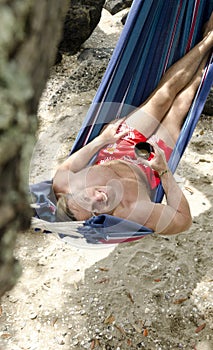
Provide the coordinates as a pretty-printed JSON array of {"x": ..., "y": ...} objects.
[{"x": 120, "y": 184}]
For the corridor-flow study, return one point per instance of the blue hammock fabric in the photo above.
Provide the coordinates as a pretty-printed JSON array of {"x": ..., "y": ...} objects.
[{"x": 157, "y": 33}]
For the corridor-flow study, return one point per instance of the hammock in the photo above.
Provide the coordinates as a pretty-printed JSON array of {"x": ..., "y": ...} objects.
[{"x": 156, "y": 34}]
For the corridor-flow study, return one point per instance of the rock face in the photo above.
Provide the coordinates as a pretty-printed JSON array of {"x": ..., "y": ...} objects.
[
  {"x": 81, "y": 19},
  {"x": 114, "y": 6},
  {"x": 30, "y": 29},
  {"x": 208, "y": 108}
]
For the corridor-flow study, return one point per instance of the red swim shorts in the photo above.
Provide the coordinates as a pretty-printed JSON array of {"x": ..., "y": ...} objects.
[{"x": 123, "y": 149}]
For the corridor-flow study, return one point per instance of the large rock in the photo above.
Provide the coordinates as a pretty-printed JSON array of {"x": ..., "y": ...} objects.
[
  {"x": 81, "y": 19},
  {"x": 208, "y": 108},
  {"x": 114, "y": 6},
  {"x": 30, "y": 32}
]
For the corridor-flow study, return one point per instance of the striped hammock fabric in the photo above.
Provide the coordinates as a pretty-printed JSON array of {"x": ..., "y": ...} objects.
[{"x": 156, "y": 34}]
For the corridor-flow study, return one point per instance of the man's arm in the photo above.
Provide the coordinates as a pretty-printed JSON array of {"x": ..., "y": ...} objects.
[
  {"x": 80, "y": 159},
  {"x": 171, "y": 218},
  {"x": 175, "y": 216}
]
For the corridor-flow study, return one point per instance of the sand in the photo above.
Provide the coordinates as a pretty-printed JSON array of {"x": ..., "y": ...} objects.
[{"x": 156, "y": 293}]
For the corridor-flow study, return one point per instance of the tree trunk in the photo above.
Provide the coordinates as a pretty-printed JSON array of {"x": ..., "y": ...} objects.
[{"x": 29, "y": 33}]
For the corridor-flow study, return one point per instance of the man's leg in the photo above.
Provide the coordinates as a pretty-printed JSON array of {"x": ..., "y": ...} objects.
[
  {"x": 147, "y": 117},
  {"x": 170, "y": 127}
]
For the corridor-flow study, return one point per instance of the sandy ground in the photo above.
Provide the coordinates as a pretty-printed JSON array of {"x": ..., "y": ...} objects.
[{"x": 156, "y": 293}]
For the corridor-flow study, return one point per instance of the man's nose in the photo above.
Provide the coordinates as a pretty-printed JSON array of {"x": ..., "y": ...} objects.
[{"x": 98, "y": 197}]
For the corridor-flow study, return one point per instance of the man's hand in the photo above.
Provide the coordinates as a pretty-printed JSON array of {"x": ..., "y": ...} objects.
[
  {"x": 110, "y": 134},
  {"x": 80, "y": 159},
  {"x": 158, "y": 161}
]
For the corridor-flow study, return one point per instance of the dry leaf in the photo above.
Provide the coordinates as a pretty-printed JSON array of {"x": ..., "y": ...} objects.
[
  {"x": 103, "y": 280},
  {"x": 120, "y": 329},
  {"x": 200, "y": 328},
  {"x": 129, "y": 342},
  {"x": 130, "y": 297},
  {"x": 180, "y": 301},
  {"x": 94, "y": 344},
  {"x": 75, "y": 285},
  {"x": 189, "y": 190},
  {"x": 103, "y": 269},
  {"x": 55, "y": 320},
  {"x": 145, "y": 332},
  {"x": 5, "y": 335},
  {"x": 157, "y": 279},
  {"x": 109, "y": 320}
]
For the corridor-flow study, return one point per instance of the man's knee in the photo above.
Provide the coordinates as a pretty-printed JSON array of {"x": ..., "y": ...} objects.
[{"x": 163, "y": 100}]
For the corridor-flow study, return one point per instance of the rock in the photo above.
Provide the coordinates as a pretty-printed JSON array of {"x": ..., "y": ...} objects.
[
  {"x": 58, "y": 58},
  {"x": 114, "y": 6},
  {"x": 123, "y": 19},
  {"x": 80, "y": 21},
  {"x": 60, "y": 340},
  {"x": 90, "y": 70},
  {"x": 208, "y": 108},
  {"x": 204, "y": 345},
  {"x": 95, "y": 54},
  {"x": 33, "y": 315}
]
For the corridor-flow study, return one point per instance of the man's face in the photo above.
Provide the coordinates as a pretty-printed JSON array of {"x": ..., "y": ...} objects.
[{"x": 90, "y": 200}]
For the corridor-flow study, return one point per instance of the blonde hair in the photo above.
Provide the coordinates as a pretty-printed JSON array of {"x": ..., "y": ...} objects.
[{"x": 63, "y": 211}]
